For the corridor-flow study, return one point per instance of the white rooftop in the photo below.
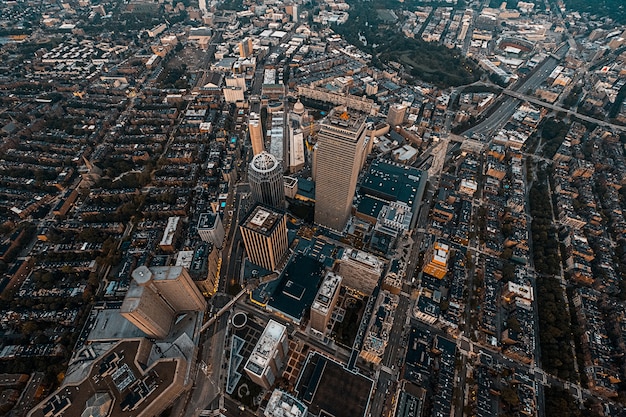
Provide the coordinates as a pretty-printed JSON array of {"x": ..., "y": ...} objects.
[
  {"x": 365, "y": 258},
  {"x": 327, "y": 290},
  {"x": 266, "y": 346},
  {"x": 282, "y": 404}
]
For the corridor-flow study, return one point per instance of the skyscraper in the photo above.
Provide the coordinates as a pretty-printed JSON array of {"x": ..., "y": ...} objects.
[
  {"x": 325, "y": 300},
  {"x": 256, "y": 133},
  {"x": 211, "y": 229},
  {"x": 264, "y": 233},
  {"x": 265, "y": 175},
  {"x": 245, "y": 48},
  {"x": 396, "y": 114},
  {"x": 267, "y": 358},
  {"x": 341, "y": 150},
  {"x": 156, "y": 295}
]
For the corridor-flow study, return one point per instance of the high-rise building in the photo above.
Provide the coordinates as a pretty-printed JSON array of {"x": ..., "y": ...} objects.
[
  {"x": 156, "y": 295},
  {"x": 208, "y": 283},
  {"x": 211, "y": 229},
  {"x": 264, "y": 233},
  {"x": 325, "y": 300},
  {"x": 256, "y": 134},
  {"x": 245, "y": 48},
  {"x": 396, "y": 114},
  {"x": 265, "y": 175},
  {"x": 341, "y": 151},
  {"x": 267, "y": 358},
  {"x": 360, "y": 270}
]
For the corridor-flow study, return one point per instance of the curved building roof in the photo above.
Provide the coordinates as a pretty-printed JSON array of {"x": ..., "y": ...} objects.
[{"x": 264, "y": 162}]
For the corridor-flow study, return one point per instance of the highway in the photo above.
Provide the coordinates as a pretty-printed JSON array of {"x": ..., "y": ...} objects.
[{"x": 509, "y": 104}]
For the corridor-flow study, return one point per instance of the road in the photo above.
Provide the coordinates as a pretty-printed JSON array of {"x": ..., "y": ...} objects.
[
  {"x": 232, "y": 409},
  {"x": 508, "y": 106},
  {"x": 27, "y": 399},
  {"x": 558, "y": 108},
  {"x": 239, "y": 208},
  {"x": 207, "y": 384}
]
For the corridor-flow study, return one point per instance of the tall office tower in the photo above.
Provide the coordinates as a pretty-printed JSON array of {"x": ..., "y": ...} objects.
[
  {"x": 265, "y": 175},
  {"x": 325, "y": 300},
  {"x": 157, "y": 295},
  {"x": 340, "y": 154},
  {"x": 267, "y": 358},
  {"x": 396, "y": 114},
  {"x": 256, "y": 133},
  {"x": 211, "y": 229},
  {"x": 264, "y": 233},
  {"x": 245, "y": 48},
  {"x": 202, "y": 6}
]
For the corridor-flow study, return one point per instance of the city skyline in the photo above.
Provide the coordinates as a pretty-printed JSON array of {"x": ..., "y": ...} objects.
[{"x": 304, "y": 209}]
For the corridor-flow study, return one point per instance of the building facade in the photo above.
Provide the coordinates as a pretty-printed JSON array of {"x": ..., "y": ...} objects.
[
  {"x": 360, "y": 270},
  {"x": 264, "y": 233},
  {"x": 265, "y": 175},
  {"x": 341, "y": 151},
  {"x": 211, "y": 229},
  {"x": 395, "y": 117},
  {"x": 267, "y": 358},
  {"x": 255, "y": 130},
  {"x": 325, "y": 300},
  {"x": 156, "y": 295}
]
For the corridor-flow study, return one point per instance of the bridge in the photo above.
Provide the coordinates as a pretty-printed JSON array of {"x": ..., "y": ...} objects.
[{"x": 555, "y": 107}]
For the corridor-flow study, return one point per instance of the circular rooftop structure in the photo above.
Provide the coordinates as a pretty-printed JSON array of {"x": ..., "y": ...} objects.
[
  {"x": 142, "y": 275},
  {"x": 298, "y": 108},
  {"x": 264, "y": 162},
  {"x": 239, "y": 320}
]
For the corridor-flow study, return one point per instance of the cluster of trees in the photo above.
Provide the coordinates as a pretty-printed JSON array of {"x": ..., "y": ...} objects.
[
  {"x": 175, "y": 77},
  {"x": 28, "y": 232},
  {"x": 572, "y": 99},
  {"x": 545, "y": 242},
  {"x": 555, "y": 333},
  {"x": 553, "y": 133},
  {"x": 347, "y": 329},
  {"x": 430, "y": 62},
  {"x": 611, "y": 8},
  {"x": 560, "y": 402}
]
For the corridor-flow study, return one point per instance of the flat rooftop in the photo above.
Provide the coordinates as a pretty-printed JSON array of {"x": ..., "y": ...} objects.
[
  {"x": 207, "y": 220},
  {"x": 326, "y": 293},
  {"x": 170, "y": 230},
  {"x": 364, "y": 258},
  {"x": 265, "y": 347},
  {"x": 128, "y": 387},
  {"x": 281, "y": 404},
  {"x": 393, "y": 182},
  {"x": 297, "y": 287},
  {"x": 344, "y": 119},
  {"x": 317, "y": 388},
  {"x": 262, "y": 220}
]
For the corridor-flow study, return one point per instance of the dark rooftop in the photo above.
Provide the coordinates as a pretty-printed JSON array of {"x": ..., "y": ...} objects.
[
  {"x": 262, "y": 220},
  {"x": 297, "y": 287},
  {"x": 318, "y": 388}
]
